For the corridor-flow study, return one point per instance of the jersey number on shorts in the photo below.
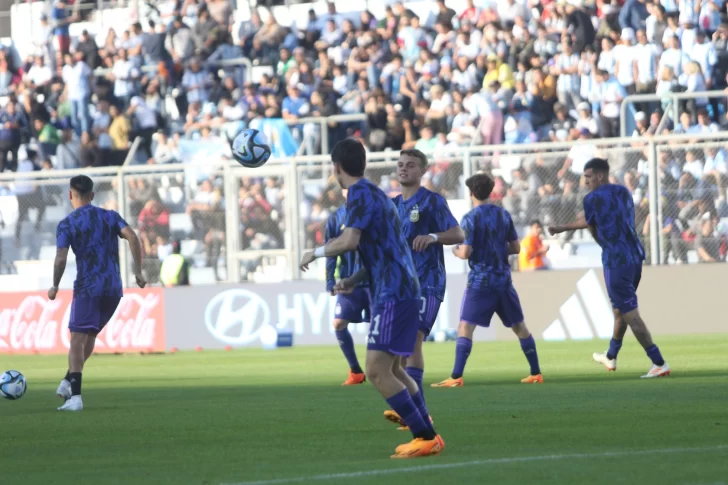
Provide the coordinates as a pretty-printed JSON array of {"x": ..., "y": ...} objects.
[
  {"x": 424, "y": 305},
  {"x": 375, "y": 327}
]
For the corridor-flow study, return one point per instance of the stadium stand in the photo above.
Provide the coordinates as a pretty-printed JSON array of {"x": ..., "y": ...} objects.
[{"x": 437, "y": 76}]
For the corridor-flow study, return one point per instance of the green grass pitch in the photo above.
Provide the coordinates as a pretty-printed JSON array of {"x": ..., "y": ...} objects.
[{"x": 279, "y": 417}]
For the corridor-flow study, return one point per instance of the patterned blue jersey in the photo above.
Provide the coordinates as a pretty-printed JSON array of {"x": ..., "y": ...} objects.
[
  {"x": 383, "y": 248},
  {"x": 611, "y": 209},
  {"x": 488, "y": 230},
  {"x": 424, "y": 213},
  {"x": 349, "y": 263},
  {"x": 93, "y": 234}
]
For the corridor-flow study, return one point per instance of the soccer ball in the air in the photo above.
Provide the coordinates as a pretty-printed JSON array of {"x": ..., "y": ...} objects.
[
  {"x": 12, "y": 385},
  {"x": 250, "y": 148}
]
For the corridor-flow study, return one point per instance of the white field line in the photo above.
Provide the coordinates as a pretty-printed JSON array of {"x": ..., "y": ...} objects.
[{"x": 492, "y": 461}]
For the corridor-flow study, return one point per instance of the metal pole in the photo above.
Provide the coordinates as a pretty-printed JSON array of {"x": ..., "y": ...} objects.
[
  {"x": 123, "y": 212},
  {"x": 324, "y": 137},
  {"x": 654, "y": 204},
  {"x": 292, "y": 204},
  {"x": 232, "y": 225},
  {"x": 675, "y": 110}
]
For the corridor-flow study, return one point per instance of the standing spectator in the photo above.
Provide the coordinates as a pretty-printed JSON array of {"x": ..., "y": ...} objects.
[
  {"x": 533, "y": 250},
  {"x": 61, "y": 20},
  {"x": 28, "y": 194},
  {"x": 67, "y": 152},
  {"x": 566, "y": 67},
  {"x": 10, "y": 136},
  {"x": 625, "y": 61},
  {"x": 124, "y": 76},
  {"x": 645, "y": 66},
  {"x": 78, "y": 79},
  {"x": 196, "y": 82},
  {"x": 180, "y": 41},
  {"x": 90, "y": 51},
  {"x": 611, "y": 93},
  {"x": 175, "y": 269},
  {"x": 145, "y": 123}
]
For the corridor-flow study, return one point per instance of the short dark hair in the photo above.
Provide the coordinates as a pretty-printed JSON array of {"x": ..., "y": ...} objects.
[
  {"x": 83, "y": 185},
  {"x": 597, "y": 165},
  {"x": 480, "y": 185},
  {"x": 415, "y": 153},
  {"x": 351, "y": 156},
  {"x": 536, "y": 222}
]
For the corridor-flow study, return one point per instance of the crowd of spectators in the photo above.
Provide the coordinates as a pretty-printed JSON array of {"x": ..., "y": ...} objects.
[{"x": 512, "y": 71}]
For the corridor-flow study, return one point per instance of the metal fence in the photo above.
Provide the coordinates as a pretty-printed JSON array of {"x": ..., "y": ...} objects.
[{"x": 253, "y": 224}]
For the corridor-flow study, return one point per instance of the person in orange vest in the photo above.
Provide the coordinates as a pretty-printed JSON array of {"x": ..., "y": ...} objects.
[{"x": 533, "y": 250}]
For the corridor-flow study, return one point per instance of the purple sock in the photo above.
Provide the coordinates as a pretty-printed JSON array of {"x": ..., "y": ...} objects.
[
  {"x": 416, "y": 375},
  {"x": 528, "y": 345},
  {"x": 419, "y": 401},
  {"x": 462, "y": 352},
  {"x": 347, "y": 347},
  {"x": 653, "y": 352},
  {"x": 614, "y": 346},
  {"x": 403, "y": 404}
]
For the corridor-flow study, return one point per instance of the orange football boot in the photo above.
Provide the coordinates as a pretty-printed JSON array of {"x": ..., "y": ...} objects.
[
  {"x": 449, "y": 382},
  {"x": 420, "y": 447},
  {"x": 354, "y": 379},
  {"x": 537, "y": 379}
]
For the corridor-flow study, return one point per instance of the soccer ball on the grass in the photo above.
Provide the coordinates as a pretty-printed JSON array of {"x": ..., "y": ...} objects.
[
  {"x": 12, "y": 385},
  {"x": 250, "y": 148}
]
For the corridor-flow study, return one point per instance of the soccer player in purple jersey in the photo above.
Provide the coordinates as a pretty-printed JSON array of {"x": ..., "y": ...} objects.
[
  {"x": 609, "y": 216},
  {"x": 373, "y": 227},
  {"x": 490, "y": 238},
  {"x": 428, "y": 225},
  {"x": 350, "y": 308},
  {"x": 94, "y": 234}
]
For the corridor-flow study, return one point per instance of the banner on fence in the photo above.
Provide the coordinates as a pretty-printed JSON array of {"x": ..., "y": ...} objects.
[{"x": 30, "y": 323}]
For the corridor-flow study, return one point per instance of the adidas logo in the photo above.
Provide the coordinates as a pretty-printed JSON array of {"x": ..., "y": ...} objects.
[
  {"x": 372, "y": 341},
  {"x": 576, "y": 323}
]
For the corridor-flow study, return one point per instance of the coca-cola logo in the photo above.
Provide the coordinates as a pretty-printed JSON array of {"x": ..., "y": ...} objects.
[{"x": 37, "y": 324}]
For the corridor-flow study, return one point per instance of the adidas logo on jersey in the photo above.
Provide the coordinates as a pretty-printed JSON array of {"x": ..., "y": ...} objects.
[{"x": 577, "y": 324}]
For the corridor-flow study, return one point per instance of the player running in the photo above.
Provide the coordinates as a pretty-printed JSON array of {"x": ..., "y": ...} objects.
[
  {"x": 373, "y": 226},
  {"x": 93, "y": 234},
  {"x": 490, "y": 238},
  {"x": 352, "y": 307},
  {"x": 427, "y": 224},
  {"x": 609, "y": 216}
]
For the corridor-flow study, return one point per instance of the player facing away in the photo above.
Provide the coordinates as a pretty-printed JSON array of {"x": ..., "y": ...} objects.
[
  {"x": 428, "y": 224},
  {"x": 609, "y": 216},
  {"x": 373, "y": 226},
  {"x": 94, "y": 234},
  {"x": 352, "y": 307},
  {"x": 490, "y": 238}
]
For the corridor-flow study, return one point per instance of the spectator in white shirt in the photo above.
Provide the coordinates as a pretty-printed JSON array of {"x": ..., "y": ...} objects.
[
  {"x": 124, "y": 75},
  {"x": 78, "y": 87},
  {"x": 704, "y": 124},
  {"x": 610, "y": 93},
  {"x": 39, "y": 74},
  {"x": 145, "y": 122},
  {"x": 694, "y": 82},
  {"x": 674, "y": 57},
  {"x": 566, "y": 67},
  {"x": 703, "y": 52},
  {"x": 624, "y": 55},
  {"x": 693, "y": 164}
]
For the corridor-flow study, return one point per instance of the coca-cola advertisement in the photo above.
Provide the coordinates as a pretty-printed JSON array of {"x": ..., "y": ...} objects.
[{"x": 32, "y": 324}]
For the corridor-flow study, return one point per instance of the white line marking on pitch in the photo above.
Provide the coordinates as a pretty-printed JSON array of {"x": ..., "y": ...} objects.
[{"x": 492, "y": 461}]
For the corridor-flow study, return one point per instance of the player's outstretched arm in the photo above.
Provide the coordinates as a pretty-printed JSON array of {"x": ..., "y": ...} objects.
[
  {"x": 348, "y": 284},
  {"x": 580, "y": 223},
  {"x": 348, "y": 241},
  {"x": 136, "y": 252},
  {"x": 454, "y": 235},
  {"x": 514, "y": 247}
]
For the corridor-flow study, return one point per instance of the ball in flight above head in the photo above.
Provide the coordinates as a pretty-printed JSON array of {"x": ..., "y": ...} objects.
[
  {"x": 250, "y": 148},
  {"x": 12, "y": 385}
]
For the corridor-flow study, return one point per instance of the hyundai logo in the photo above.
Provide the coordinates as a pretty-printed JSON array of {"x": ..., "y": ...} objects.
[{"x": 235, "y": 317}]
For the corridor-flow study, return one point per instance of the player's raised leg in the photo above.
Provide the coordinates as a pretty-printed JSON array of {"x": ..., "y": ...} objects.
[
  {"x": 659, "y": 368},
  {"x": 64, "y": 388},
  {"x": 346, "y": 343},
  {"x": 511, "y": 314}
]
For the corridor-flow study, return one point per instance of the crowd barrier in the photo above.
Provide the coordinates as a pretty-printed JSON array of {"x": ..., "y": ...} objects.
[{"x": 558, "y": 305}]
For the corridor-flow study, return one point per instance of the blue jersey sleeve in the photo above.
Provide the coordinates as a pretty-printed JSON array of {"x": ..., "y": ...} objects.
[
  {"x": 331, "y": 228},
  {"x": 358, "y": 208},
  {"x": 119, "y": 222},
  {"x": 63, "y": 235},
  {"x": 512, "y": 235},
  {"x": 444, "y": 220},
  {"x": 589, "y": 212},
  {"x": 467, "y": 225}
]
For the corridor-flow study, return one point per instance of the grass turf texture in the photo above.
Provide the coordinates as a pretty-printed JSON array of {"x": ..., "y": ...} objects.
[{"x": 251, "y": 415}]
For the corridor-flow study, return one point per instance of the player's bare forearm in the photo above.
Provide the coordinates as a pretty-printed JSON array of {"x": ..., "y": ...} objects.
[
  {"x": 135, "y": 246},
  {"x": 454, "y": 235},
  {"x": 580, "y": 223},
  {"x": 359, "y": 277},
  {"x": 348, "y": 241},
  {"x": 462, "y": 251},
  {"x": 514, "y": 247},
  {"x": 59, "y": 265}
]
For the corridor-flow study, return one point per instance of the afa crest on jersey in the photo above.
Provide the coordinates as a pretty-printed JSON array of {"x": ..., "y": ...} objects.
[{"x": 415, "y": 214}]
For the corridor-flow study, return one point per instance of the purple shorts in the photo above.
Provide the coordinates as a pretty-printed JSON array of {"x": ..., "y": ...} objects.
[
  {"x": 354, "y": 307},
  {"x": 394, "y": 326},
  {"x": 429, "y": 307},
  {"x": 90, "y": 314},
  {"x": 479, "y": 306},
  {"x": 622, "y": 284}
]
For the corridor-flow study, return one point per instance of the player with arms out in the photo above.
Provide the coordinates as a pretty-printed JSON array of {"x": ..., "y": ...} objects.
[
  {"x": 490, "y": 238},
  {"x": 373, "y": 226},
  {"x": 352, "y": 307},
  {"x": 94, "y": 234},
  {"x": 609, "y": 216},
  {"x": 428, "y": 224}
]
